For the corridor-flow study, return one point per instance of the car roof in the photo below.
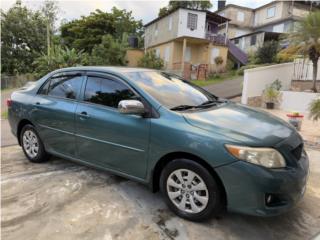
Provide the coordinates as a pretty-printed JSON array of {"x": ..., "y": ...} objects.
[{"x": 106, "y": 69}]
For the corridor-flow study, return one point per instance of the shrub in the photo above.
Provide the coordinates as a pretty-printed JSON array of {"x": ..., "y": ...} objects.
[
  {"x": 230, "y": 65},
  {"x": 276, "y": 84},
  {"x": 271, "y": 94},
  {"x": 109, "y": 52},
  {"x": 252, "y": 57},
  {"x": 314, "y": 109},
  {"x": 288, "y": 54},
  {"x": 218, "y": 60},
  {"x": 150, "y": 60},
  {"x": 268, "y": 52},
  {"x": 59, "y": 58}
]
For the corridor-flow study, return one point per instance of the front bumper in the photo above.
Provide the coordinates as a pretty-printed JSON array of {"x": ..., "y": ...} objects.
[{"x": 247, "y": 187}]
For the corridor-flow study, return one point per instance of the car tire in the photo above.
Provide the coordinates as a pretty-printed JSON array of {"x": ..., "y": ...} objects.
[
  {"x": 194, "y": 200},
  {"x": 32, "y": 145}
]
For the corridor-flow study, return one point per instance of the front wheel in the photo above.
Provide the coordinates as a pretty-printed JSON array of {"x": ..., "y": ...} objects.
[
  {"x": 190, "y": 190},
  {"x": 32, "y": 145}
]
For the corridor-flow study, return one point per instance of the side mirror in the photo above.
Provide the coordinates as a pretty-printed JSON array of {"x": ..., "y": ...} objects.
[{"x": 131, "y": 107}]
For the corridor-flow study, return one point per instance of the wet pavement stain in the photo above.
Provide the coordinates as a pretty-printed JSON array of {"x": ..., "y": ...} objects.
[{"x": 63, "y": 200}]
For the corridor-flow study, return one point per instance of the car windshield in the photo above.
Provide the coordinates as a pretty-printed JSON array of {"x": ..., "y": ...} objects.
[{"x": 171, "y": 91}]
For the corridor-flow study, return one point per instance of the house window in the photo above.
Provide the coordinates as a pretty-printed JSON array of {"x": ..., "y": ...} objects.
[
  {"x": 240, "y": 16},
  {"x": 187, "y": 56},
  {"x": 279, "y": 28},
  {"x": 215, "y": 52},
  {"x": 167, "y": 54},
  {"x": 271, "y": 12},
  {"x": 192, "y": 21},
  {"x": 170, "y": 23},
  {"x": 156, "y": 30},
  {"x": 253, "y": 40},
  {"x": 236, "y": 41}
]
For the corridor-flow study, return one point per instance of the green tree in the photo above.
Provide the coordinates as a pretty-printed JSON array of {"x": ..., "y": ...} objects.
[
  {"x": 59, "y": 57},
  {"x": 307, "y": 37},
  {"x": 109, "y": 52},
  {"x": 150, "y": 60},
  {"x": 88, "y": 31},
  {"x": 23, "y": 35},
  {"x": 163, "y": 11},
  {"x": 124, "y": 23},
  {"x": 199, "y": 5},
  {"x": 268, "y": 52}
]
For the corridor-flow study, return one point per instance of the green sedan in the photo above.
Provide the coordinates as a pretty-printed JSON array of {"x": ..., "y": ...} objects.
[{"x": 205, "y": 154}]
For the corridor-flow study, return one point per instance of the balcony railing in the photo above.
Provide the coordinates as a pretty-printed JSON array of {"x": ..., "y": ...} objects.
[
  {"x": 236, "y": 52},
  {"x": 217, "y": 39}
]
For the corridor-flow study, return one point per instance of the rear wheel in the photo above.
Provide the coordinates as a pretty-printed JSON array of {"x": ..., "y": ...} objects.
[
  {"x": 189, "y": 190},
  {"x": 32, "y": 145}
]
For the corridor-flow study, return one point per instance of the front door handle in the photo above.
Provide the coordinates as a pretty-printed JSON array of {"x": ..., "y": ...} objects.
[{"x": 84, "y": 115}]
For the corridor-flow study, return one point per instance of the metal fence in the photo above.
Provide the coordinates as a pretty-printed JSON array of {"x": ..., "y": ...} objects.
[{"x": 16, "y": 81}]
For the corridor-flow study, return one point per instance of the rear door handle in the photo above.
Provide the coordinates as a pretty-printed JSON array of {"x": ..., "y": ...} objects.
[{"x": 84, "y": 115}]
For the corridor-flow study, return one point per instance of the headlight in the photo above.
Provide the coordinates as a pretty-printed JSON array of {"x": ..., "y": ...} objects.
[{"x": 267, "y": 157}]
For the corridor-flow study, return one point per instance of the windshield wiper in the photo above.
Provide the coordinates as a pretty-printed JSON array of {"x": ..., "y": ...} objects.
[
  {"x": 209, "y": 102},
  {"x": 182, "y": 107}
]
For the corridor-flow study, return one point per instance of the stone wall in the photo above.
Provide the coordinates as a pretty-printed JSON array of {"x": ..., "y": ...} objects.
[{"x": 303, "y": 85}]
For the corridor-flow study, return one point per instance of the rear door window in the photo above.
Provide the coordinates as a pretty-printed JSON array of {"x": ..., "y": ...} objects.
[{"x": 67, "y": 86}]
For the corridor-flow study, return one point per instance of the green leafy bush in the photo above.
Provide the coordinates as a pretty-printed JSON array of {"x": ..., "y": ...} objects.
[
  {"x": 268, "y": 52},
  {"x": 230, "y": 65},
  {"x": 252, "y": 57},
  {"x": 288, "y": 54},
  {"x": 314, "y": 109},
  {"x": 218, "y": 60},
  {"x": 271, "y": 94},
  {"x": 59, "y": 58},
  {"x": 109, "y": 52},
  {"x": 276, "y": 85},
  {"x": 150, "y": 60}
]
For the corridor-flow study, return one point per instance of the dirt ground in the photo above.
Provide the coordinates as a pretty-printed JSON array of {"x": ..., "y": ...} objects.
[{"x": 63, "y": 200}]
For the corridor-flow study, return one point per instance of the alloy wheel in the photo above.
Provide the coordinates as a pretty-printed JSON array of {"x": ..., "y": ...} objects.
[
  {"x": 187, "y": 191},
  {"x": 30, "y": 143}
]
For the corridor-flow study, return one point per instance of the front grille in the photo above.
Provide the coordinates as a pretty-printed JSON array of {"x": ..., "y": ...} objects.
[{"x": 297, "y": 151}]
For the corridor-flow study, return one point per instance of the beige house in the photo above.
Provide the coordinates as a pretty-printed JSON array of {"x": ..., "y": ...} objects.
[
  {"x": 249, "y": 28},
  {"x": 188, "y": 41}
]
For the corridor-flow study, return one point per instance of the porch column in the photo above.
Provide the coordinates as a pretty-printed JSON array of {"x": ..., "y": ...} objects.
[
  {"x": 183, "y": 55},
  {"x": 226, "y": 36},
  {"x": 209, "y": 57}
]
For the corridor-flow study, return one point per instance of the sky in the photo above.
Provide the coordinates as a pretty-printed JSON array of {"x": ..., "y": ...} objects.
[{"x": 145, "y": 10}]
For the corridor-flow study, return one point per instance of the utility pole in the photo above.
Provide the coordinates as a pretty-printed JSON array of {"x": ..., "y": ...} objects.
[{"x": 48, "y": 39}]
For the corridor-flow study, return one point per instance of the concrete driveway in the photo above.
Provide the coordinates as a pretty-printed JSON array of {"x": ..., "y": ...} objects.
[
  {"x": 62, "y": 200},
  {"x": 227, "y": 89},
  {"x": 7, "y": 138}
]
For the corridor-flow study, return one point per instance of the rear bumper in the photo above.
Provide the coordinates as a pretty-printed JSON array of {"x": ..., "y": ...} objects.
[{"x": 248, "y": 186}]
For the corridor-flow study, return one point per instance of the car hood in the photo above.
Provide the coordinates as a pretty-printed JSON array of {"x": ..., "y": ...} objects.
[{"x": 238, "y": 123}]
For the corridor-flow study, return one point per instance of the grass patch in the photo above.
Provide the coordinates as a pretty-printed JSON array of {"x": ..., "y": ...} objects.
[
  {"x": 4, "y": 114},
  {"x": 7, "y": 90},
  {"x": 217, "y": 78}
]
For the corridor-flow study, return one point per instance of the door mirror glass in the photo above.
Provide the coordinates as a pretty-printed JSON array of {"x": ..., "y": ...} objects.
[{"x": 131, "y": 107}]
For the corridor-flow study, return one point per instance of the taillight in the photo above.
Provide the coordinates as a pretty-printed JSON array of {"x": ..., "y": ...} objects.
[{"x": 9, "y": 102}]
